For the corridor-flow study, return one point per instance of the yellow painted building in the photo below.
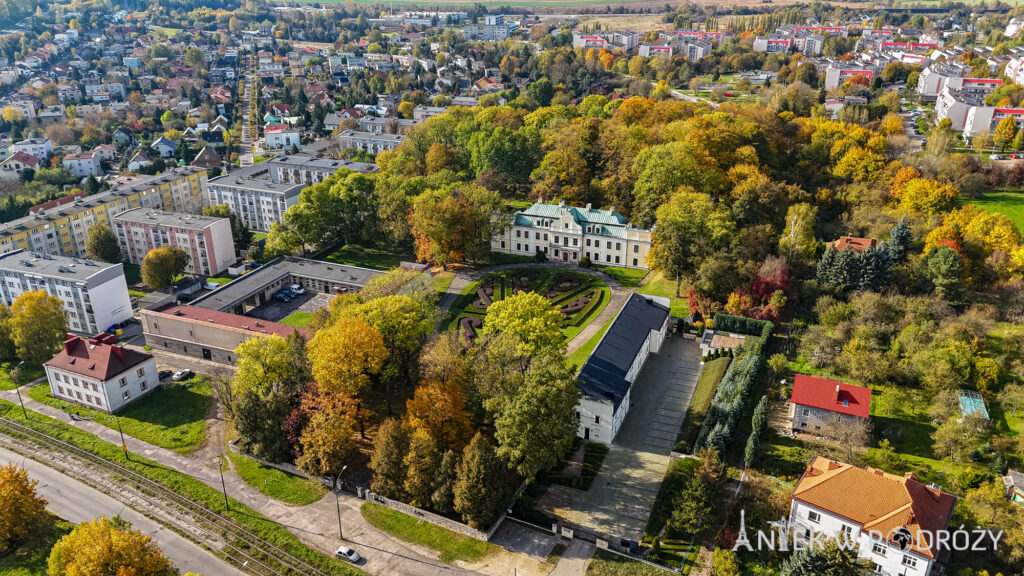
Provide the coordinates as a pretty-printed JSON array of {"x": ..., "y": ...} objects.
[{"x": 63, "y": 230}]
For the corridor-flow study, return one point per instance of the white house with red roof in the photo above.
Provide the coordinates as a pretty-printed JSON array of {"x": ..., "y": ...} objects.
[
  {"x": 816, "y": 403},
  {"x": 282, "y": 137},
  {"x": 11, "y": 167},
  {"x": 894, "y": 520},
  {"x": 100, "y": 373}
]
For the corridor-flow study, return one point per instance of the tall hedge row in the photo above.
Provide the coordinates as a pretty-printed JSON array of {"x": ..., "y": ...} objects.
[{"x": 742, "y": 325}]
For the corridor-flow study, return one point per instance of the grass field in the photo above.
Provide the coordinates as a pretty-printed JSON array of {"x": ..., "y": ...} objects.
[
  {"x": 275, "y": 483},
  {"x": 364, "y": 257},
  {"x": 710, "y": 376},
  {"x": 581, "y": 354},
  {"x": 453, "y": 547},
  {"x": 628, "y": 277},
  {"x": 29, "y": 559},
  {"x": 29, "y": 372},
  {"x": 442, "y": 280},
  {"x": 297, "y": 319},
  {"x": 658, "y": 285},
  {"x": 676, "y": 478},
  {"x": 172, "y": 416},
  {"x": 605, "y": 563},
  {"x": 186, "y": 486},
  {"x": 1010, "y": 204}
]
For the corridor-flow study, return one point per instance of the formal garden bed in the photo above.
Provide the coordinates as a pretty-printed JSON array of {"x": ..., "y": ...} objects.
[{"x": 580, "y": 297}]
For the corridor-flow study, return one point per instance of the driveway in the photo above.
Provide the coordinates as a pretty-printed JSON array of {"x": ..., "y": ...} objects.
[{"x": 620, "y": 499}]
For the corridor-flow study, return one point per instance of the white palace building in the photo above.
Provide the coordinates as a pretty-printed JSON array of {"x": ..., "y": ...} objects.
[{"x": 569, "y": 234}]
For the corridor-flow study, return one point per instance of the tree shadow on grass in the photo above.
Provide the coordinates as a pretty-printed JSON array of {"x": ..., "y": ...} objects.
[
  {"x": 907, "y": 437},
  {"x": 170, "y": 406}
]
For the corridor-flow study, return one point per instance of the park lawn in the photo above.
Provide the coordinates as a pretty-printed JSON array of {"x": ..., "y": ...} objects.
[
  {"x": 297, "y": 319},
  {"x": 278, "y": 485},
  {"x": 172, "y": 416},
  {"x": 29, "y": 372},
  {"x": 577, "y": 358},
  {"x": 627, "y": 277},
  {"x": 29, "y": 559},
  {"x": 658, "y": 285},
  {"x": 367, "y": 257},
  {"x": 570, "y": 332},
  {"x": 257, "y": 236},
  {"x": 442, "y": 280},
  {"x": 707, "y": 384},
  {"x": 452, "y": 546},
  {"x": 676, "y": 477},
  {"x": 186, "y": 486},
  {"x": 605, "y": 563},
  {"x": 1010, "y": 204},
  {"x": 499, "y": 258}
]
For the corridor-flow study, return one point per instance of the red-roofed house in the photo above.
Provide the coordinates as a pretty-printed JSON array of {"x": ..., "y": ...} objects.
[
  {"x": 817, "y": 402},
  {"x": 10, "y": 169},
  {"x": 100, "y": 373},
  {"x": 853, "y": 243},
  {"x": 895, "y": 521}
]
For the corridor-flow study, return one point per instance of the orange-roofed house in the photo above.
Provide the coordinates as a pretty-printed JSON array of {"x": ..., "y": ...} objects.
[
  {"x": 853, "y": 243},
  {"x": 100, "y": 373},
  {"x": 816, "y": 403},
  {"x": 894, "y": 519}
]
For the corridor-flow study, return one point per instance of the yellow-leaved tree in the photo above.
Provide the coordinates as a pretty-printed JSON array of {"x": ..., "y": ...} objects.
[
  {"x": 21, "y": 511},
  {"x": 107, "y": 548}
]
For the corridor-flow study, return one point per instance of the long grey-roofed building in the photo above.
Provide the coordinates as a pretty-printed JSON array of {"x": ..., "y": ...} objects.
[
  {"x": 94, "y": 294},
  {"x": 305, "y": 169},
  {"x": 257, "y": 287},
  {"x": 609, "y": 372},
  {"x": 254, "y": 195}
]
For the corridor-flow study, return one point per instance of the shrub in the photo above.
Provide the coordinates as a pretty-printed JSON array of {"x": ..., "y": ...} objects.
[{"x": 585, "y": 262}]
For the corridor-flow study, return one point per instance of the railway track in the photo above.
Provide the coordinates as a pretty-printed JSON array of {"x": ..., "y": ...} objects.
[{"x": 235, "y": 543}]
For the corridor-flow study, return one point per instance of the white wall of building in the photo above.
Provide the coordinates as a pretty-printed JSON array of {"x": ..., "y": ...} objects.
[{"x": 109, "y": 396}]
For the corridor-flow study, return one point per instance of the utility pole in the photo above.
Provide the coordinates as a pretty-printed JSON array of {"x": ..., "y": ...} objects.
[
  {"x": 124, "y": 445},
  {"x": 15, "y": 374},
  {"x": 223, "y": 486},
  {"x": 337, "y": 500}
]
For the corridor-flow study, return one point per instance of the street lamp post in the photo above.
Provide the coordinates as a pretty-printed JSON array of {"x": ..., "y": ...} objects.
[
  {"x": 16, "y": 376},
  {"x": 124, "y": 445},
  {"x": 337, "y": 499},
  {"x": 223, "y": 486}
]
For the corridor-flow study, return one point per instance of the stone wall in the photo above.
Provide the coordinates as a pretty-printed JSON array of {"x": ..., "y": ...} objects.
[{"x": 436, "y": 519}]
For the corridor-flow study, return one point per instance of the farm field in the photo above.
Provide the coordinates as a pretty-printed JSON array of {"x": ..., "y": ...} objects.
[{"x": 580, "y": 297}]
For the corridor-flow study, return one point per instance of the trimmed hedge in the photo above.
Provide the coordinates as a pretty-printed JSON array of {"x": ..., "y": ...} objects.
[{"x": 743, "y": 325}]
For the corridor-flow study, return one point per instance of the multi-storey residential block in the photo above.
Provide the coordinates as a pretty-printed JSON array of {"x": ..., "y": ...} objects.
[
  {"x": 611, "y": 39},
  {"x": 378, "y": 125},
  {"x": 804, "y": 41},
  {"x": 838, "y": 73},
  {"x": 940, "y": 75},
  {"x": 894, "y": 521},
  {"x": 369, "y": 141},
  {"x": 101, "y": 374},
  {"x": 38, "y": 147},
  {"x": 253, "y": 195},
  {"x": 64, "y": 228},
  {"x": 570, "y": 234},
  {"x": 82, "y": 165},
  {"x": 303, "y": 169},
  {"x": 206, "y": 239},
  {"x": 94, "y": 294}
]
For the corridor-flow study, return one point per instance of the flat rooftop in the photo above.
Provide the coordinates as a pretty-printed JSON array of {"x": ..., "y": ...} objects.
[
  {"x": 257, "y": 178},
  {"x": 63, "y": 267},
  {"x": 238, "y": 290},
  {"x": 170, "y": 219},
  {"x": 307, "y": 162}
]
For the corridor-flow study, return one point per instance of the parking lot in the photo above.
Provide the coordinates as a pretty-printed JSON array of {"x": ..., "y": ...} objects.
[{"x": 275, "y": 310}]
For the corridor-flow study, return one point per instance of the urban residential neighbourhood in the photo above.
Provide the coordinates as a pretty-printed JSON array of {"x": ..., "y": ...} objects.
[{"x": 544, "y": 287}]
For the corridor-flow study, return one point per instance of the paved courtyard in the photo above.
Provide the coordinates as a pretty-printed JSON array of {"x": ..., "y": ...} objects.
[{"x": 620, "y": 500}]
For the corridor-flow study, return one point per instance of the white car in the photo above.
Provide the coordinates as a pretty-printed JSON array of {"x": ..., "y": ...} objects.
[
  {"x": 212, "y": 285},
  {"x": 994, "y": 157},
  {"x": 347, "y": 554},
  {"x": 296, "y": 289},
  {"x": 180, "y": 375}
]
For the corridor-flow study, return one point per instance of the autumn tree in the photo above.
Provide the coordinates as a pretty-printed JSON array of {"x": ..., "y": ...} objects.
[
  {"x": 443, "y": 498},
  {"x": 438, "y": 409},
  {"x": 422, "y": 463},
  {"x": 797, "y": 241},
  {"x": 689, "y": 228},
  {"x": 451, "y": 226},
  {"x": 388, "y": 459},
  {"x": 346, "y": 355},
  {"x": 480, "y": 488},
  {"x": 103, "y": 548},
  {"x": 327, "y": 440},
  {"x": 530, "y": 317},
  {"x": 37, "y": 326},
  {"x": 1005, "y": 131},
  {"x": 22, "y": 512},
  {"x": 102, "y": 244},
  {"x": 271, "y": 373},
  {"x": 162, "y": 265}
]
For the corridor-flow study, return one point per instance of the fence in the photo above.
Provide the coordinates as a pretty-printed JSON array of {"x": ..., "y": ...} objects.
[{"x": 436, "y": 519}]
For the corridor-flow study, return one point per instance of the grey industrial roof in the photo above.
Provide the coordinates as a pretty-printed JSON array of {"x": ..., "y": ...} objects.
[
  {"x": 63, "y": 267},
  {"x": 239, "y": 289},
  {"x": 173, "y": 219},
  {"x": 603, "y": 375}
]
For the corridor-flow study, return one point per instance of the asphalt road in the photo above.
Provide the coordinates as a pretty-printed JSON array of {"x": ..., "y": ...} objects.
[{"x": 76, "y": 502}]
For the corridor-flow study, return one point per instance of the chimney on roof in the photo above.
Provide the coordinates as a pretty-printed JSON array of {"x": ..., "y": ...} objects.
[
  {"x": 837, "y": 392},
  {"x": 70, "y": 342},
  {"x": 588, "y": 205},
  {"x": 119, "y": 352}
]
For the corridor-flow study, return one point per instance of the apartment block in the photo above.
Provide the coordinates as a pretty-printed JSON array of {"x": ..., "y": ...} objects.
[
  {"x": 368, "y": 141},
  {"x": 206, "y": 239},
  {"x": 303, "y": 169},
  {"x": 254, "y": 196},
  {"x": 94, "y": 294},
  {"x": 63, "y": 229}
]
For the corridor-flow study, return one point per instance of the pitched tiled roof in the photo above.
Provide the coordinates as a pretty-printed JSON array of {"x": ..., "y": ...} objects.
[
  {"x": 878, "y": 501},
  {"x": 853, "y": 243},
  {"x": 832, "y": 396},
  {"x": 99, "y": 357}
]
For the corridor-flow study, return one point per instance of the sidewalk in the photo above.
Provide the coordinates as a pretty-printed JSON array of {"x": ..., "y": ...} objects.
[{"x": 575, "y": 560}]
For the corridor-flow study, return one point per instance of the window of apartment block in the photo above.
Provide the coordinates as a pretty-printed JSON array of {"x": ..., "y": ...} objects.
[
  {"x": 814, "y": 516},
  {"x": 143, "y": 385},
  {"x": 140, "y": 372},
  {"x": 122, "y": 381},
  {"x": 126, "y": 395}
]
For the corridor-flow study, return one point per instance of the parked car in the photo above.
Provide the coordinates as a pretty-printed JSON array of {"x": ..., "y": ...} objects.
[
  {"x": 286, "y": 292},
  {"x": 164, "y": 374},
  {"x": 212, "y": 285},
  {"x": 994, "y": 157},
  {"x": 254, "y": 265},
  {"x": 183, "y": 374},
  {"x": 281, "y": 297},
  {"x": 347, "y": 554},
  {"x": 296, "y": 289}
]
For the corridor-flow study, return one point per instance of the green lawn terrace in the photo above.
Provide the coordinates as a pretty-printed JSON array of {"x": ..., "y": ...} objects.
[{"x": 578, "y": 296}]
